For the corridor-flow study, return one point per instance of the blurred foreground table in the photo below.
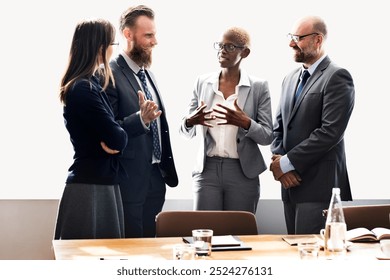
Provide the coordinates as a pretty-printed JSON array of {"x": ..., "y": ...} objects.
[{"x": 263, "y": 246}]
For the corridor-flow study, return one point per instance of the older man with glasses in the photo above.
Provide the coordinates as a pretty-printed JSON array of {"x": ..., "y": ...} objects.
[{"x": 316, "y": 103}]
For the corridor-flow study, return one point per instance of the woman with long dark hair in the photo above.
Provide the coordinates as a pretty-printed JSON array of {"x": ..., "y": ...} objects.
[{"x": 91, "y": 205}]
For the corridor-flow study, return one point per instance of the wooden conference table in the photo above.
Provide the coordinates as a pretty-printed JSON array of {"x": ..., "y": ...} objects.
[{"x": 263, "y": 246}]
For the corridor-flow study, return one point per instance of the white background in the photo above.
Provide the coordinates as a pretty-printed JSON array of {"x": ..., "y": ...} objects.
[{"x": 36, "y": 36}]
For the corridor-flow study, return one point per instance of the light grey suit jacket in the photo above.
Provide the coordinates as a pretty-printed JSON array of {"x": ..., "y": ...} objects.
[
  {"x": 311, "y": 132},
  {"x": 255, "y": 101}
]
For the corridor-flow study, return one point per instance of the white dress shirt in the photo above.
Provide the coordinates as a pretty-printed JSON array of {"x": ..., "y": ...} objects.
[{"x": 224, "y": 137}]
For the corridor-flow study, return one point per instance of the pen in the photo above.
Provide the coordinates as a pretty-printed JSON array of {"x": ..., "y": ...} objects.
[{"x": 106, "y": 259}]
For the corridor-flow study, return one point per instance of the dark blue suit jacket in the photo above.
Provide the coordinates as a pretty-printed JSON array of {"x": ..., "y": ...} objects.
[
  {"x": 137, "y": 156},
  {"x": 89, "y": 119}
]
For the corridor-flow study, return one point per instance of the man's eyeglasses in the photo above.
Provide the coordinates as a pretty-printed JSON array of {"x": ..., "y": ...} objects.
[
  {"x": 297, "y": 38},
  {"x": 227, "y": 47},
  {"x": 114, "y": 44}
]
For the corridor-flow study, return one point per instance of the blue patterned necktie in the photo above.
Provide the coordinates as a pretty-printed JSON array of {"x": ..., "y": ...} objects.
[
  {"x": 153, "y": 124},
  {"x": 305, "y": 76}
]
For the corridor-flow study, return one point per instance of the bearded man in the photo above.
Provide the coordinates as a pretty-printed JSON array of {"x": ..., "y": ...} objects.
[
  {"x": 138, "y": 107},
  {"x": 315, "y": 106}
]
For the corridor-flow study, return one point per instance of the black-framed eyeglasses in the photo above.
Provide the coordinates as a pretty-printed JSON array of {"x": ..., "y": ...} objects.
[
  {"x": 114, "y": 44},
  {"x": 297, "y": 38},
  {"x": 227, "y": 47}
]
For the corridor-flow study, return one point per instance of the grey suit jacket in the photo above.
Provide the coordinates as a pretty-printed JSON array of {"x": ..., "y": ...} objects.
[
  {"x": 311, "y": 132},
  {"x": 255, "y": 101}
]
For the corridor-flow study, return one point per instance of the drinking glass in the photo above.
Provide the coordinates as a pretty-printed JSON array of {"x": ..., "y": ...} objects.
[
  {"x": 183, "y": 252},
  {"x": 308, "y": 250},
  {"x": 202, "y": 241}
]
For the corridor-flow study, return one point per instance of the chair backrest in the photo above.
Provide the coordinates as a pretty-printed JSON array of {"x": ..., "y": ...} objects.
[
  {"x": 181, "y": 223},
  {"x": 367, "y": 216}
]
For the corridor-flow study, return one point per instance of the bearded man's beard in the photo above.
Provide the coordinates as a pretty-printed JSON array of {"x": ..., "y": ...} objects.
[{"x": 140, "y": 56}]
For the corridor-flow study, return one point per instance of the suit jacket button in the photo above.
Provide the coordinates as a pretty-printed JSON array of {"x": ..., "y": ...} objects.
[{"x": 238, "y": 140}]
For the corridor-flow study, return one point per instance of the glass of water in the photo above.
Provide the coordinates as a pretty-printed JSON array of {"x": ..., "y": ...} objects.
[
  {"x": 308, "y": 250},
  {"x": 202, "y": 241},
  {"x": 183, "y": 252}
]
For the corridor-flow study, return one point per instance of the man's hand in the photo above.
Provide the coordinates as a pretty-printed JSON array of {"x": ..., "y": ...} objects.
[
  {"x": 275, "y": 167},
  {"x": 235, "y": 117},
  {"x": 200, "y": 116},
  {"x": 148, "y": 109},
  {"x": 290, "y": 179}
]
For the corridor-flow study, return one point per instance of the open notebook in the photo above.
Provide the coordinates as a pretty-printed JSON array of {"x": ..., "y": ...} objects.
[
  {"x": 223, "y": 243},
  {"x": 293, "y": 240}
]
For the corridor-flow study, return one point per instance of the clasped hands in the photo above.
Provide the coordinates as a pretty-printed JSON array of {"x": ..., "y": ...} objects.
[
  {"x": 227, "y": 115},
  {"x": 289, "y": 179}
]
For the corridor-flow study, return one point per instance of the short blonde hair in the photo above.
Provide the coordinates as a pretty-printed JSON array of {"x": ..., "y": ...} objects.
[{"x": 238, "y": 35}]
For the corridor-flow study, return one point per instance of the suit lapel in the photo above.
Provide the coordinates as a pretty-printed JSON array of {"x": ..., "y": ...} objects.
[
  {"x": 153, "y": 83},
  {"x": 243, "y": 93},
  {"x": 129, "y": 74},
  {"x": 290, "y": 107},
  {"x": 207, "y": 98},
  {"x": 245, "y": 85},
  {"x": 295, "y": 106},
  {"x": 308, "y": 85},
  {"x": 312, "y": 80}
]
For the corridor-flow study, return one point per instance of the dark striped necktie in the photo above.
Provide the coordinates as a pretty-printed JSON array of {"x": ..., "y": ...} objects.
[{"x": 153, "y": 125}]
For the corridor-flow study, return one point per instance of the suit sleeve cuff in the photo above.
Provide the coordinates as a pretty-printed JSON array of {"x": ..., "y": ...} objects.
[
  {"x": 285, "y": 164},
  {"x": 146, "y": 127}
]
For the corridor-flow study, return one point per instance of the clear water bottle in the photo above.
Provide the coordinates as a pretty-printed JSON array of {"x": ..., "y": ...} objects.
[{"x": 335, "y": 228}]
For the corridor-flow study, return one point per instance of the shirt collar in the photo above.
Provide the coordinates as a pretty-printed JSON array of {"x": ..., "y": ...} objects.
[
  {"x": 133, "y": 66},
  {"x": 314, "y": 66},
  {"x": 244, "y": 78}
]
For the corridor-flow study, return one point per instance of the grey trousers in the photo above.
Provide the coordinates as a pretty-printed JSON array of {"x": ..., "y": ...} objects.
[{"x": 223, "y": 186}]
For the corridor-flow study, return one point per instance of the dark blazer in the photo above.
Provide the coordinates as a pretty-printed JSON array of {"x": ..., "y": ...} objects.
[
  {"x": 89, "y": 119},
  {"x": 137, "y": 156},
  {"x": 311, "y": 132}
]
